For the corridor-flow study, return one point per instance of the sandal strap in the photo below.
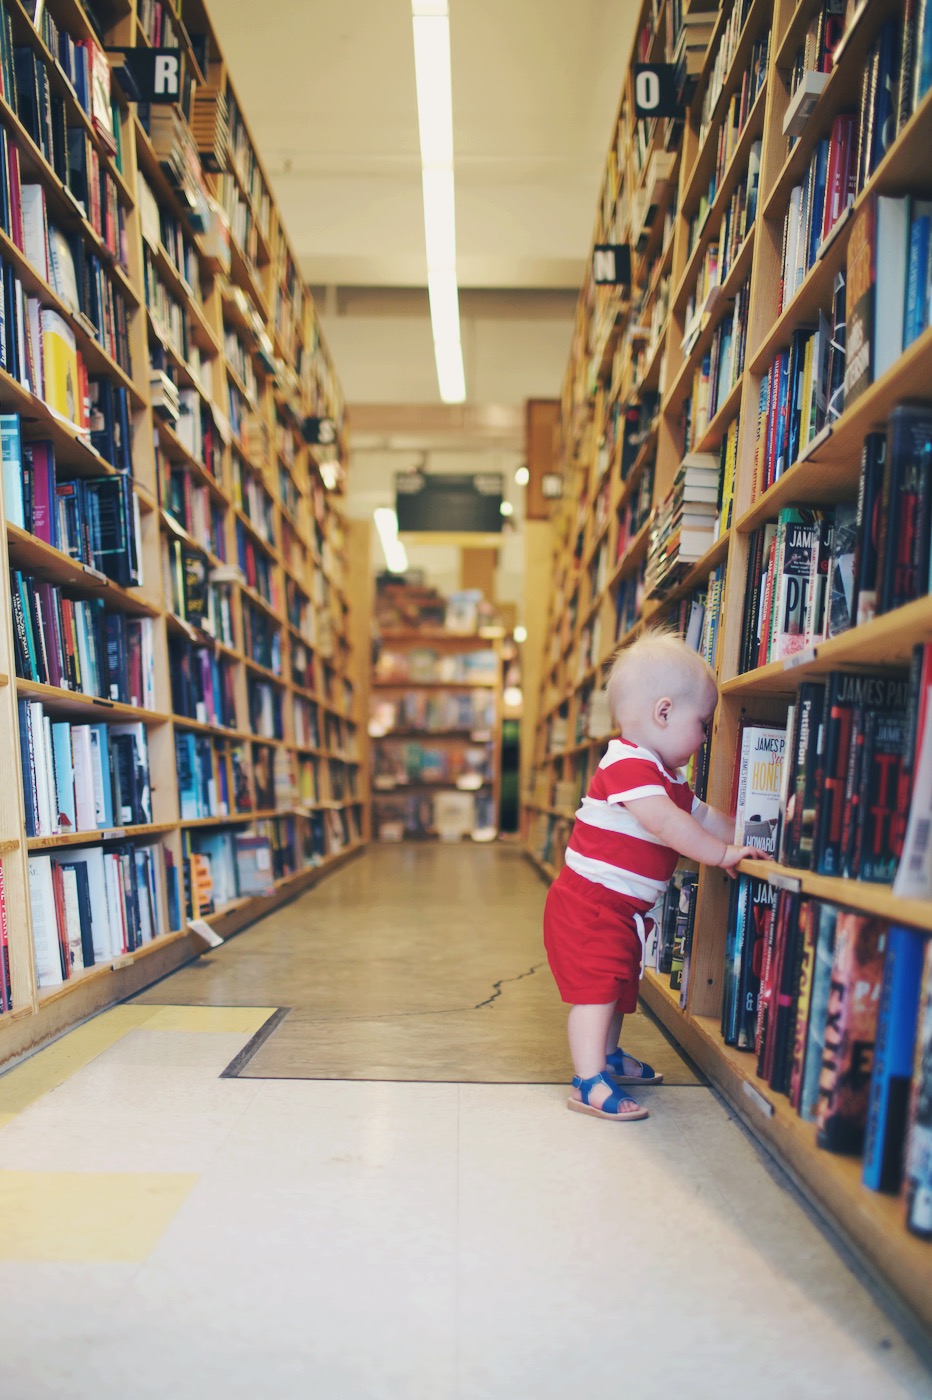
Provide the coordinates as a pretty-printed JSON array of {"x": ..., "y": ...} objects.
[
  {"x": 616, "y": 1061},
  {"x": 615, "y": 1099}
]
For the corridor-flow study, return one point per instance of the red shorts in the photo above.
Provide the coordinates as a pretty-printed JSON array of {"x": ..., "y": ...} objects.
[{"x": 592, "y": 942}]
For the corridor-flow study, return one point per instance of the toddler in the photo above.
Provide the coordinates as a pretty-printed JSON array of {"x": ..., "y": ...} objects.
[{"x": 637, "y": 818}]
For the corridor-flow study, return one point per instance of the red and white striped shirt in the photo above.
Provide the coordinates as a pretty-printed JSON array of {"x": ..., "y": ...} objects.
[{"x": 609, "y": 845}]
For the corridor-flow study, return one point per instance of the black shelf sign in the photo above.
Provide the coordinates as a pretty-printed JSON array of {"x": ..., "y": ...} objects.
[
  {"x": 150, "y": 75},
  {"x": 448, "y": 502},
  {"x": 611, "y": 265},
  {"x": 319, "y": 432},
  {"x": 655, "y": 93}
]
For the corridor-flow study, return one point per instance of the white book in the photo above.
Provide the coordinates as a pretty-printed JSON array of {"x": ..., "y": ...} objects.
[
  {"x": 35, "y": 228},
  {"x": 85, "y": 805},
  {"x": 891, "y": 241},
  {"x": 45, "y": 940},
  {"x": 760, "y": 775},
  {"x": 117, "y": 906},
  {"x": 40, "y": 761},
  {"x": 789, "y": 259}
]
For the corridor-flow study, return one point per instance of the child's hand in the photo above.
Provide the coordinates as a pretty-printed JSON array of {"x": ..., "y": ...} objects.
[{"x": 734, "y": 854}]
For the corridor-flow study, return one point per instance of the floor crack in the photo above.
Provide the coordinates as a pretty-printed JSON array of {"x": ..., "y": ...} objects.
[{"x": 497, "y": 989}]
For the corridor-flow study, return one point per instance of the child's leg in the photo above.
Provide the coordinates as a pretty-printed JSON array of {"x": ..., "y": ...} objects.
[{"x": 588, "y": 1029}]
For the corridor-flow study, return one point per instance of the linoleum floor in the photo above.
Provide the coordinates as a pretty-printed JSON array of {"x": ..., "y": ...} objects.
[{"x": 402, "y": 1215}]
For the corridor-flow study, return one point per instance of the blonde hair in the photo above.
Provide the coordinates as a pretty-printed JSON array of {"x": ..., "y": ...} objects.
[{"x": 656, "y": 663}]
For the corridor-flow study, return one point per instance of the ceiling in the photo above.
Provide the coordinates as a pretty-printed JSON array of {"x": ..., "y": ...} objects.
[{"x": 329, "y": 95}]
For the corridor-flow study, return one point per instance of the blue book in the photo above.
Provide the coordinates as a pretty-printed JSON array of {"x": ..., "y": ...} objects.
[
  {"x": 186, "y": 762},
  {"x": 893, "y": 1059},
  {"x": 103, "y": 786},
  {"x": 827, "y": 915},
  {"x": 64, "y": 775},
  {"x": 915, "y": 316},
  {"x": 782, "y": 438},
  {"x": 817, "y": 207},
  {"x": 884, "y": 131},
  {"x": 11, "y": 454}
]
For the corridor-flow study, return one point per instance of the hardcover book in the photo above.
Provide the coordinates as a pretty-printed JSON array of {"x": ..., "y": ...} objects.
[
  {"x": 918, "y": 1158},
  {"x": 850, "y": 1030},
  {"x": 759, "y": 774},
  {"x": 888, "y": 1106}
]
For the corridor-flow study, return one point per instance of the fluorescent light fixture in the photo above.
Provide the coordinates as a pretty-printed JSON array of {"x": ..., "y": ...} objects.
[
  {"x": 522, "y": 476},
  {"x": 386, "y": 522},
  {"x": 431, "y": 24},
  {"x": 520, "y": 633}
]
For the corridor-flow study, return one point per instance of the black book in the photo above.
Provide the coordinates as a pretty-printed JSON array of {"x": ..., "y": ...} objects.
[
  {"x": 84, "y": 909},
  {"x": 836, "y": 352},
  {"x": 77, "y": 166},
  {"x": 804, "y": 775},
  {"x": 787, "y": 992},
  {"x": 28, "y": 766},
  {"x": 903, "y": 565},
  {"x": 845, "y": 693},
  {"x": 761, "y": 909},
  {"x": 881, "y": 824},
  {"x": 59, "y": 131},
  {"x": 841, "y": 602},
  {"x": 868, "y": 525},
  {"x": 27, "y": 90}
]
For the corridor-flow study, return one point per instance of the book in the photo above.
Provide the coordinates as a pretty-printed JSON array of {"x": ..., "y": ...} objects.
[
  {"x": 906, "y": 509},
  {"x": 850, "y": 1029},
  {"x": 824, "y": 919},
  {"x": 868, "y": 525},
  {"x": 876, "y": 291},
  {"x": 918, "y": 1153},
  {"x": 891, "y": 1079},
  {"x": 759, "y": 773},
  {"x": 802, "y": 992},
  {"x": 762, "y": 899}
]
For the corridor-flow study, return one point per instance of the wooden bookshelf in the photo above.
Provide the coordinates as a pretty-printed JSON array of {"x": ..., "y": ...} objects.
[
  {"x": 604, "y": 377},
  {"x": 216, "y": 301},
  {"x": 390, "y": 781}
]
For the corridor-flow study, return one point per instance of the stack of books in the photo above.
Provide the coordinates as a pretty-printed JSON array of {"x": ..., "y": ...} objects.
[
  {"x": 684, "y": 524},
  {"x": 211, "y": 127}
]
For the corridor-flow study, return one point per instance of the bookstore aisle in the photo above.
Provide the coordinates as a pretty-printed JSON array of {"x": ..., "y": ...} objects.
[{"x": 332, "y": 1159}]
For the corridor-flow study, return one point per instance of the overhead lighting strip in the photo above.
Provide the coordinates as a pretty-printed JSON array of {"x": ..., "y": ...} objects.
[{"x": 431, "y": 24}]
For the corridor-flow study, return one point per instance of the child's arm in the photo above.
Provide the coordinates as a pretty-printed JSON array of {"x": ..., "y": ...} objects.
[
  {"x": 677, "y": 829},
  {"x": 719, "y": 823}
]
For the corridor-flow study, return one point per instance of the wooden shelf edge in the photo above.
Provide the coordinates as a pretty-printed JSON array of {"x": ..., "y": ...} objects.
[{"x": 869, "y": 1221}]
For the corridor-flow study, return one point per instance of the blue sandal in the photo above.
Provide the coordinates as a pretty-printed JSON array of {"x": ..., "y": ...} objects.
[
  {"x": 615, "y": 1064},
  {"x": 611, "y": 1108}
]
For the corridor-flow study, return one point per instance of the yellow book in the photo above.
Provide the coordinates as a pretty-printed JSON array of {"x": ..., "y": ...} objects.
[
  {"x": 805, "y": 425},
  {"x": 60, "y": 355}
]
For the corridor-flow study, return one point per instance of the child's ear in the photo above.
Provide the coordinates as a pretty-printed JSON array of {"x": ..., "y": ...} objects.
[{"x": 662, "y": 709}]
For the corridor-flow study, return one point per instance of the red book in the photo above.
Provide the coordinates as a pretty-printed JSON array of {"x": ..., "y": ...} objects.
[
  {"x": 43, "y": 492},
  {"x": 59, "y": 893},
  {"x": 16, "y": 203},
  {"x": 6, "y": 992},
  {"x": 841, "y": 177}
]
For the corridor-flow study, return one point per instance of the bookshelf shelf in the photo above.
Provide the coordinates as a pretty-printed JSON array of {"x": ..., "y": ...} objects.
[
  {"x": 592, "y": 612},
  {"x": 92, "y": 709},
  {"x": 87, "y": 838},
  {"x": 195, "y": 465},
  {"x": 851, "y": 894},
  {"x": 886, "y": 641}
]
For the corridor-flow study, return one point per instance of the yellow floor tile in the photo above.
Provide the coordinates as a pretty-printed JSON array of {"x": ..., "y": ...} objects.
[
  {"x": 50, "y": 1067},
  {"x": 87, "y": 1216},
  {"x": 229, "y": 1020}
]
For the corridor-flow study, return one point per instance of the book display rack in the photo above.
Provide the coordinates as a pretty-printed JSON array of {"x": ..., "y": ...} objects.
[
  {"x": 435, "y": 717},
  {"x": 746, "y": 457},
  {"x": 179, "y": 735}
]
